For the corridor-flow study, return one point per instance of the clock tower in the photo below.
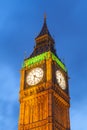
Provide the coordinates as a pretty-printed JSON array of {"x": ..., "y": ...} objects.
[{"x": 44, "y": 90}]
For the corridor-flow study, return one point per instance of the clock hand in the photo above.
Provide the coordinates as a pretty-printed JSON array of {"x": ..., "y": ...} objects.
[{"x": 36, "y": 76}]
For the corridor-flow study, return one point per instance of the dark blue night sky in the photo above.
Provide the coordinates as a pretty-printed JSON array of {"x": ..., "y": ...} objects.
[{"x": 20, "y": 23}]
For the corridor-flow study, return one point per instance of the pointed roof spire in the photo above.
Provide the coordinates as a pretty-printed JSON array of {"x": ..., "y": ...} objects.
[{"x": 44, "y": 29}]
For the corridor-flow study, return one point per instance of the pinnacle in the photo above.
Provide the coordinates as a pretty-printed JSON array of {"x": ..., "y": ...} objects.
[{"x": 44, "y": 29}]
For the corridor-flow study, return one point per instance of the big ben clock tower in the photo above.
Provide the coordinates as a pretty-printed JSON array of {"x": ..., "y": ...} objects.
[{"x": 44, "y": 91}]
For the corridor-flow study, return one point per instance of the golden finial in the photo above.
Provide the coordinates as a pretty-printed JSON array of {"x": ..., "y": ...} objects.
[{"x": 45, "y": 17}]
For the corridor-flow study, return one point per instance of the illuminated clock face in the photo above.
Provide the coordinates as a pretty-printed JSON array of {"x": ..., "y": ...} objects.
[
  {"x": 34, "y": 76},
  {"x": 60, "y": 79}
]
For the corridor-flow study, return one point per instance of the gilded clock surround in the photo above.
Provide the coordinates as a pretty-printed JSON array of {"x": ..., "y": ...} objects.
[
  {"x": 42, "y": 66},
  {"x": 44, "y": 106},
  {"x": 34, "y": 76}
]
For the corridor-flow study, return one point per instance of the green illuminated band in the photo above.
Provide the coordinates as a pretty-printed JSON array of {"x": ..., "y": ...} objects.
[{"x": 43, "y": 56}]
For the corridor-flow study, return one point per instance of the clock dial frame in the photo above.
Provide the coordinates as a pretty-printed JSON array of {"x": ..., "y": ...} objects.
[
  {"x": 34, "y": 76},
  {"x": 61, "y": 79}
]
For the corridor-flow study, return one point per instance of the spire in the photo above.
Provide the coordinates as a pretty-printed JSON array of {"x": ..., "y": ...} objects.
[
  {"x": 44, "y": 41},
  {"x": 44, "y": 29}
]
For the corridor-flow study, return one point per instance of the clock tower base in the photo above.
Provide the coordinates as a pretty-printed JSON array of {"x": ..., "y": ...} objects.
[{"x": 43, "y": 109}]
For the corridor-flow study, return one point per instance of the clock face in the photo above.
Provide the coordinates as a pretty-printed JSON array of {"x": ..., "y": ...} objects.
[
  {"x": 60, "y": 79},
  {"x": 34, "y": 76}
]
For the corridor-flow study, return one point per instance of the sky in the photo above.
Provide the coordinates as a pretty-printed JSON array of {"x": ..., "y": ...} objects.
[{"x": 20, "y": 23}]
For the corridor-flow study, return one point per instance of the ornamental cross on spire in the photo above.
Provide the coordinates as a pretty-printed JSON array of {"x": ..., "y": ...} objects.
[{"x": 45, "y": 17}]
